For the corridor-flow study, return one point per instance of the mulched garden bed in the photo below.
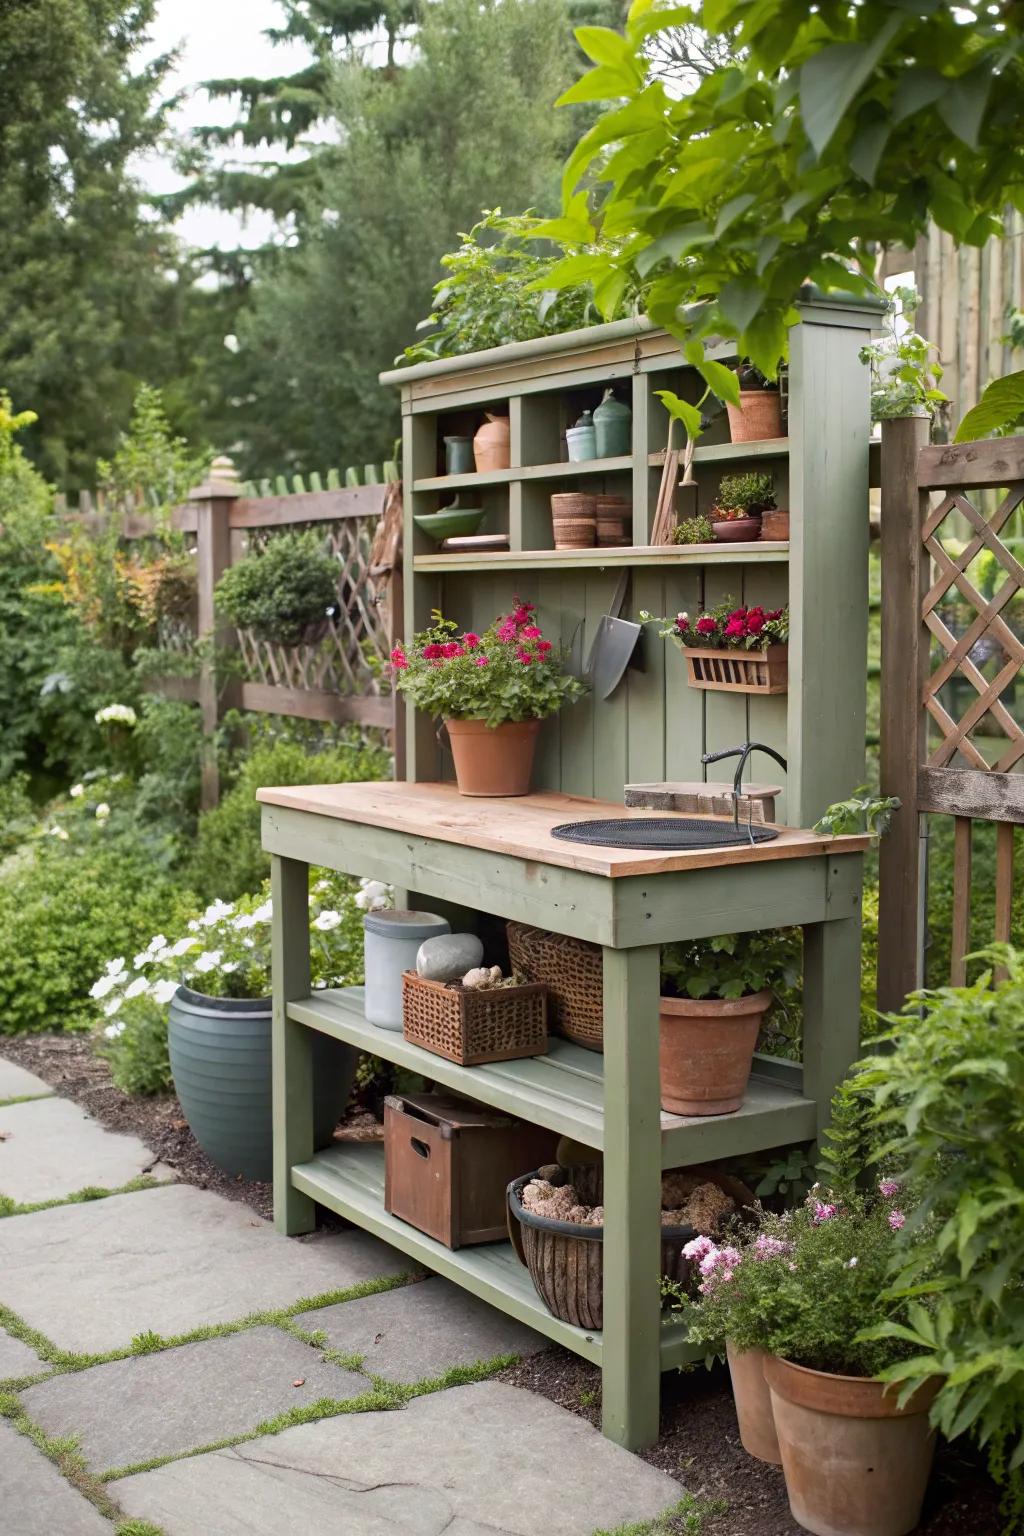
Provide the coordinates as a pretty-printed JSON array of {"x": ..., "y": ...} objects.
[
  {"x": 700, "y": 1446},
  {"x": 699, "y": 1442}
]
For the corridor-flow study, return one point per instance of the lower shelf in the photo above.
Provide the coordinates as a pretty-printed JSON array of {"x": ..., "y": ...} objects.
[{"x": 349, "y": 1180}]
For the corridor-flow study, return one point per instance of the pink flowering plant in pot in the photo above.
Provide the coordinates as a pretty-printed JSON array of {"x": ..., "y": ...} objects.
[{"x": 491, "y": 690}]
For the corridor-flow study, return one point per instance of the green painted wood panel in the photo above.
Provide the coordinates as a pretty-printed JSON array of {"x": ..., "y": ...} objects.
[{"x": 292, "y": 1047}]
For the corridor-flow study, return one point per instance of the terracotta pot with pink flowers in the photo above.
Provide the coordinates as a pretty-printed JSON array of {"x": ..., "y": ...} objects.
[{"x": 491, "y": 690}]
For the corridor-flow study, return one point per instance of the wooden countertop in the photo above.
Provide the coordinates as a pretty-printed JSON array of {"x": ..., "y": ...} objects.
[{"x": 521, "y": 827}]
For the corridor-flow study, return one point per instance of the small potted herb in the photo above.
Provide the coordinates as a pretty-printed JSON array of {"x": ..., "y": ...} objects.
[
  {"x": 285, "y": 593},
  {"x": 739, "y": 504},
  {"x": 694, "y": 530},
  {"x": 759, "y": 413},
  {"x": 735, "y": 650},
  {"x": 714, "y": 996},
  {"x": 492, "y": 690}
]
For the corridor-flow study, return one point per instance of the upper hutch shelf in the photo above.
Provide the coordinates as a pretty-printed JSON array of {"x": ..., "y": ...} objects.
[{"x": 761, "y": 552}]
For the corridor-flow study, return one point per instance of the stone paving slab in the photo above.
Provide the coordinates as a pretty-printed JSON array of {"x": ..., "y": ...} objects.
[
  {"x": 90, "y": 1277},
  {"x": 16, "y": 1359},
  {"x": 483, "y": 1460},
  {"x": 16, "y": 1081},
  {"x": 177, "y": 1399},
  {"x": 421, "y": 1330},
  {"x": 49, "y": 1148},
  {"x": 35, "y": 1500}
]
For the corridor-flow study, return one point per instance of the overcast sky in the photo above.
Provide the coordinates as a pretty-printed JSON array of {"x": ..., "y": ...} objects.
[{"x": 216, "y": 38}]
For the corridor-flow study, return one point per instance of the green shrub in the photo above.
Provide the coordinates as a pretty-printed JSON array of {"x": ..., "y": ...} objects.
[
  {"x": 64, "y": 910},
  {"x": 17, "y": 813},
  {"x": 279, "y": 590},
  {"x": 229, "y": 861}
]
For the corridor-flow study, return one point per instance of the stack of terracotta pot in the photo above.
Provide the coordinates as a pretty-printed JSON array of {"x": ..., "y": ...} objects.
[
  {"x": 574, "y": 520},
  {"x": 614, "y": 520}
]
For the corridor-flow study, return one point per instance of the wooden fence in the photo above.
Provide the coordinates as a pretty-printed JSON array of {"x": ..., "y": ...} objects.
[
  {"x": 950, "y": 742},
  {"x": 336, "y": 677}
]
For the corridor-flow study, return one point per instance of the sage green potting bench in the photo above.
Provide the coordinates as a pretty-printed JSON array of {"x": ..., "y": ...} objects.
[{"x": 498, "y": 858}]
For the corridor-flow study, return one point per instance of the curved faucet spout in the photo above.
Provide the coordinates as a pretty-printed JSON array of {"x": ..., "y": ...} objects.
[{"x": 743, "y": 753}]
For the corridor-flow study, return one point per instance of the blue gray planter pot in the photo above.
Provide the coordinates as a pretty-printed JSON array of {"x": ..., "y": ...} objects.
[{"x": 221, "y": 1060}]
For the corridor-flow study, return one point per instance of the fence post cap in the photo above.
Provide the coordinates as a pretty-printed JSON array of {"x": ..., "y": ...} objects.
[{"x": 220, "y": 484}]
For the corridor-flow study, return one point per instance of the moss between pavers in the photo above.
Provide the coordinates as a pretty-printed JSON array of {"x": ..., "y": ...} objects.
[
  {"x": 9, "y": 1207},
  {"x": 62, "y": 1450},
  {"x": 684, "y": 1519}
]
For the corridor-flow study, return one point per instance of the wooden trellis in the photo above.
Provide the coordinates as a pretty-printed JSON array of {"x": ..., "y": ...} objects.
[{"x": 951, "y": 740}]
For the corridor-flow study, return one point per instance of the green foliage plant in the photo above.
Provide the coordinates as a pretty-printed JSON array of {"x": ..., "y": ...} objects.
[
  {"x": 492, "y": 292},
  {"x": 282, "y": 589},
  {"x": 863, "y": 814},
  {"x": 510, "y": 672},
  {"x": 152, "y": 466},
  {"x": 731, "y": 964},
  {"x": 946, "y": 1089},
  {"x": 694, "y": 530},
  {"x": 904, "y": 377},
  {"x": 744, "y": 495},
  {"x": 832, "y": 129},
  {"x": 1000, "y": 410}
]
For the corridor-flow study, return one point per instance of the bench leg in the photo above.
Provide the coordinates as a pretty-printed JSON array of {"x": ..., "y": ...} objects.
[
  {"x": 632, "y": 1197},
  {"x": 832, "y": 962},
  {"x": 292, "y": 1044}
]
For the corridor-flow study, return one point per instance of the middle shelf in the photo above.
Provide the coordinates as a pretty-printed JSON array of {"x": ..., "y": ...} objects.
[
  {"x": 564, "y": 1090},
  {"x": 759, "y": 551}
]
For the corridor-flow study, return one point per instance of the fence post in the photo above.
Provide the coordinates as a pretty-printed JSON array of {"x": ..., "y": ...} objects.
[
  {"x": 213, "y": 501},
  {"x": 902, "y": 864}
]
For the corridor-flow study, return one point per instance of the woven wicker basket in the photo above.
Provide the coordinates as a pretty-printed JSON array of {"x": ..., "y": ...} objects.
[
  {"x": 573, "y": 973},
  {"x": 470, "y": 1026},
  {"x": 573, "y": 520},
  {"x": 566, "y": 1261}
]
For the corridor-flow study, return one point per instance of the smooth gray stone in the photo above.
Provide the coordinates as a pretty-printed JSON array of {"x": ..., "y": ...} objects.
[
  {"x": 484, "y": 1460},
  {"x": 161, "y": 1404},
  {"x": 420, "y": 1331},
  {"x": 16, "y": 1359},
  {"x": 171, "y": 1259},
  {"x": 15, "y": 1082},
  {"x": 49, "y": 1148},
  {"x": 35, "y": 1500},
  {"x": 449, "y": 956}
]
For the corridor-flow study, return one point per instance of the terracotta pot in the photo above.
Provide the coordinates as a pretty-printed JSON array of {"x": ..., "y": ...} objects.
[
  {"x": 707, "y": 1049},
  {"x": 493, "y": 759},
  {"x": 855, "y": 1463},
  {"x": 758, "y": 416},
  {"x": 492, "y": 444},
  {"x": 753, "y": 1403},
  {"x": 733, "y": 530}
]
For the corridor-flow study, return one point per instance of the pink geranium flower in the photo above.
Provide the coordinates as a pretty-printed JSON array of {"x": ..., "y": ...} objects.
[
  {"x": 398, "y": 658},
  {"x": 480, "y": 661},
  {"x": 470, "y": 640},
  {"x": 889, "y": 1187},
  {"x": 823, "y": 1211},
  {"x": 896, "y": 1220}
]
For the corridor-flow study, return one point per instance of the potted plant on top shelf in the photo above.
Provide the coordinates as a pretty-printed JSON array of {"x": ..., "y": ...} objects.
[
  {"x": 739, "y": 504},
  {"x": 491, "y": 690},
  {"x": 759, "y": 413},
  {"x": 285, "y": 593},
  {"x": 730, "y": 649}
]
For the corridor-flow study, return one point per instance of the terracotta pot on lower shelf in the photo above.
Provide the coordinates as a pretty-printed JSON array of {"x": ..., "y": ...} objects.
[
  {"x": 855, "y": 1463},
  {"x": 757, "y": 417},
  {"x": 707, "y": 1050},
  {"x": 753, "y": 1404},
  {"x": 493, "y": 759}
]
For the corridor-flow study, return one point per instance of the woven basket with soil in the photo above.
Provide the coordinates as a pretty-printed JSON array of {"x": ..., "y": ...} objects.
[
  {"x": 573, "y": 973},
  {"x": 566, "y": 1258},
  {"x": 474, "y": 1025}
]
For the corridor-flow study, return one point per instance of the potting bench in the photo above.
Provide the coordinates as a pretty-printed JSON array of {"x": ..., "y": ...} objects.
[{"x": 468, "y": 858}]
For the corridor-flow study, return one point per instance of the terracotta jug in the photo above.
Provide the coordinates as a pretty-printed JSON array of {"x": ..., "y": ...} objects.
[{"x": 492, "y": 444}]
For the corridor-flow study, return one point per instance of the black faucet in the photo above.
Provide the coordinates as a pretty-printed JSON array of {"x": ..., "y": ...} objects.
[{"x": 743, "y": 753}]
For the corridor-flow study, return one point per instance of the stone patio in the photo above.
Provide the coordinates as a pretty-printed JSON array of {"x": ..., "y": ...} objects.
[{"x": 366, "y": 1441}]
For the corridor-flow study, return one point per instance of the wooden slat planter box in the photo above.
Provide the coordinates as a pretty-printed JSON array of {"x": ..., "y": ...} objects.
[{"x": 738, "y": 671}]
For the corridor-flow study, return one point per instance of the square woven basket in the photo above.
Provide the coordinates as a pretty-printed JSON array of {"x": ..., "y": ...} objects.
[{"x": 471, "y": 1026}]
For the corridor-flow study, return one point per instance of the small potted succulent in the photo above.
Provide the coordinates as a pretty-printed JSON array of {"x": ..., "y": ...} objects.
[
  {"x": 730, "y": 649},
  {"x": 741, "y": 499},
  {"x": 492, "y": 690},
  {"x": 285, "y": 593},
  {"x": 714, "y": 996},
  {"x": 759, "y": 413},
  {"x": 806, "y": 1305}
]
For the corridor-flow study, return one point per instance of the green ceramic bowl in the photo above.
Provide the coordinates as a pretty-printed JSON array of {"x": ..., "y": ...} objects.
[{"x": 450, "y": 522}]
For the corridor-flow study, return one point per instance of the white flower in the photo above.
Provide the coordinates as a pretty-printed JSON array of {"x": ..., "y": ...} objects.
[
  {"x": 102, "y": 987},
  {"x": 59, "y": 832},
  {"x": 121, "y": 714},
  {"x": 76, "y": 790},
  {"x": 115, "y": 966},
  {"x": 264, "y": 912},
  {"x": 243, "y": 921},
  {"x": 102, "y": 811},
  {"x": 193, "y": 925},
  {"x": 141, "y": 960},
  {"x": 113, "y": 1030},
  {"x": 249, "y": 943},
  {"x": 852, "y": 1264},
  {"x": 321, "y": 885},
  {"x": 137, "y": 987},
  {"x": 158, "y": 941},
  {"x": 208, "y": 961},
  {"x": 215, "y": 911},
  {"x": 162, "y": 991},
  {"x": 228, "y": 967},
  {"x": 111, "y": 1008},
  {"x": 326, "y": 921},
  {"x": 181, "y": 947}
]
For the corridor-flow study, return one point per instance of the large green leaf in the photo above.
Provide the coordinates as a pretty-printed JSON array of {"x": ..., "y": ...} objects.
[
  {"x": 1000, "y": 407},
  {"x": 722, "y": 380},
  {"x": 830, "y": 80},
  {"x": 962, "y": 105},
  {"x": 604, "y": 46},
  {"x": 917, "y": 88},
  {"x": 740, "y": 300},
  {"x": 683, "y": 411}
]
